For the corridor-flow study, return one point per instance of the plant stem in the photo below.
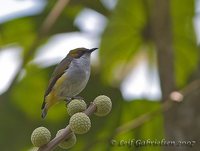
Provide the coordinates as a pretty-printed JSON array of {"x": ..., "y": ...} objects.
[{"x": 66, "y": 132}]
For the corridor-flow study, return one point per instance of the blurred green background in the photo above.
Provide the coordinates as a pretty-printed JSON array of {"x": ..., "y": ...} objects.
[{"x": 147, "y": 49}]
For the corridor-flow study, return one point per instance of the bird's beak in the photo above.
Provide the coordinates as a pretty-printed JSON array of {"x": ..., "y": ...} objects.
[{"x": 91, "y": 50}]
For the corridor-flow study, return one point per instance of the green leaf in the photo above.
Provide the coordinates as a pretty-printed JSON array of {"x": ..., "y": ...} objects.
[
  {"x": 122, "y": 37},
  {"x": 20, "y": 31},
  {"x": 184, "y": 40}
]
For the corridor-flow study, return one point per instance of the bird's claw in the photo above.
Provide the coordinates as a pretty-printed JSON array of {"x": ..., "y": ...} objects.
[{"x": 69, "y": 99}]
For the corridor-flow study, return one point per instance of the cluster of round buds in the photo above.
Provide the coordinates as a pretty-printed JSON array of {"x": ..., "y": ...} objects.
[{"x": 79, "y": 122}]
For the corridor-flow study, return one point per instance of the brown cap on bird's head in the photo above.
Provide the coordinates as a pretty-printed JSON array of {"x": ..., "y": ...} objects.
[{"x": 78, "y": 52}]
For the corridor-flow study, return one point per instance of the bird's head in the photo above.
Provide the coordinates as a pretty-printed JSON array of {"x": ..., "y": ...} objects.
[{"x": 78, "y": 52}]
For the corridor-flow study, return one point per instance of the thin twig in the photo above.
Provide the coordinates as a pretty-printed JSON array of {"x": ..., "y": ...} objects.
[
  {"x": 53, "y": 16},
  {"x": 165, "y": 106},
  {"x": 66, "y": 132}
]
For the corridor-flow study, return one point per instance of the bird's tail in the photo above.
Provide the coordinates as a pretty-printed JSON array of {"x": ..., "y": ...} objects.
[
  {"x": 49, "y": 101},
  {"x": 44, "y": 112}
]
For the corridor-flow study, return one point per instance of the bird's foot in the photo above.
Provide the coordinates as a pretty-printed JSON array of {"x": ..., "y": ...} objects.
[{"x": 69, "y": 99}]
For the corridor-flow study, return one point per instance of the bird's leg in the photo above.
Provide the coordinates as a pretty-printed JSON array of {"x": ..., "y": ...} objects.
[
  {"x": 68, "y": 99},
  {"x": 77, "y": 97}
]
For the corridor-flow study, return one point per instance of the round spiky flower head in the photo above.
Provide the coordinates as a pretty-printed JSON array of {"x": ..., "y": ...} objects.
[
  {"x": 69, "y": 142},
  {"x": 76, "y": 106},
  {"x": 104, "y": 105},
  {"x": 40, "y": 136},
  {"x": 80, "y": 123}
]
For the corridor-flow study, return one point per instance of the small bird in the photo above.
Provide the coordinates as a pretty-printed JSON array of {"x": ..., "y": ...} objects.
[{"x": 69, "y": 78}]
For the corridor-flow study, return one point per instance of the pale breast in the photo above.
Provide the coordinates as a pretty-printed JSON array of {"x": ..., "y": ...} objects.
[{"x": 74, "y": 81}]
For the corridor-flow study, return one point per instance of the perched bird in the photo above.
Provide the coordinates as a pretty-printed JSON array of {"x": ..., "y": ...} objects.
[{"x": 69, "y": 78}]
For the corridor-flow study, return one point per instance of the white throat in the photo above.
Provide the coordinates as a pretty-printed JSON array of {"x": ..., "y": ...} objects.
[{"x": 83, "y": 62}]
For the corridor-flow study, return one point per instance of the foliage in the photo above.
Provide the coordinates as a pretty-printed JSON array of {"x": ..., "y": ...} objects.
[{"x": 127, "y": 33}]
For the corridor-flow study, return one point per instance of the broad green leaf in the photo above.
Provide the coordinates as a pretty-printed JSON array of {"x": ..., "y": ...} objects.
[
  {"x": 20, "y": 31},
  {"x": 184, "y": 39},
  {"x": 122, "y": 37}
]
